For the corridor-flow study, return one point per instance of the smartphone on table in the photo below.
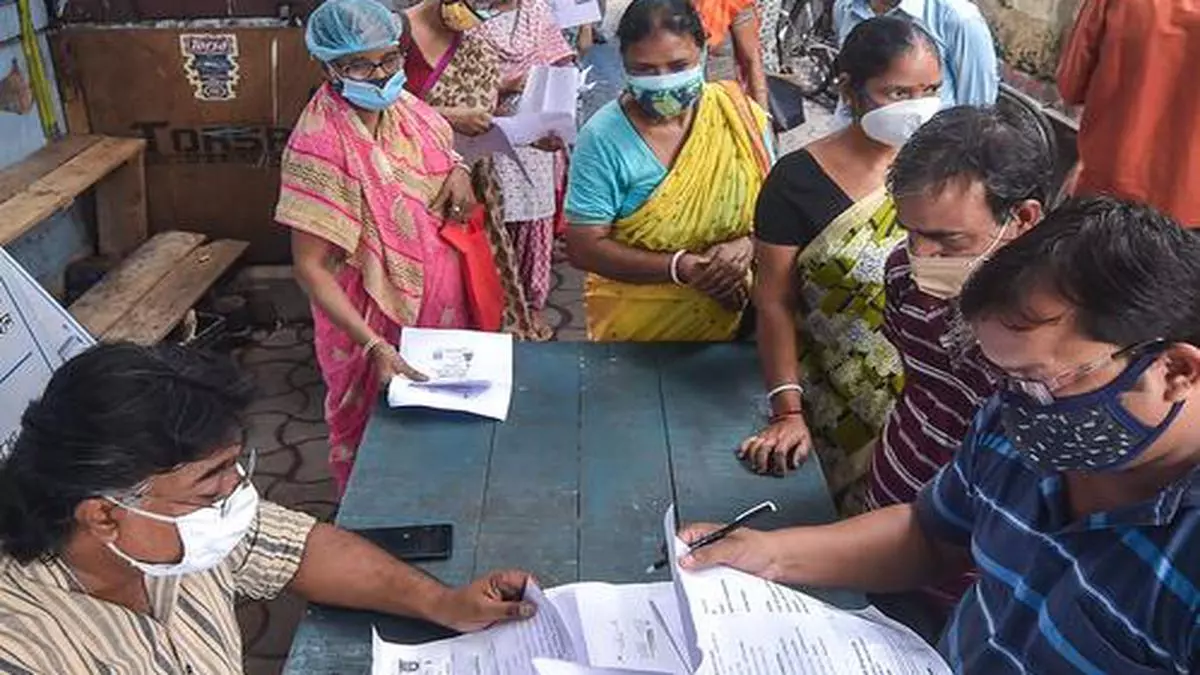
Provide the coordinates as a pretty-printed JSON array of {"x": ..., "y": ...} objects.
[{"x": 414, "y": 543}]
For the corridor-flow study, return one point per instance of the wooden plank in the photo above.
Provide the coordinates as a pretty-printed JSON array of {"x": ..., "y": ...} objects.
[
  {"x": 705, "y": 424},
  {"x": 57, "y": 189},
  {"x": 103, "y": 305},
  {"x": 530, "y": 509},
  {"x": 21, "y": 175},
  {"x": 121, "y": 218},
  {"x": 160, "y": 309},
  {"x": 624, "y": 479}
]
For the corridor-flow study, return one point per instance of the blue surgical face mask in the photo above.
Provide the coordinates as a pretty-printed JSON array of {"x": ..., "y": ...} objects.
[
  {"x": 1089, "y": 432},
  {"x": 669, "y": 95},
  {"x": 372, "y": 94}
]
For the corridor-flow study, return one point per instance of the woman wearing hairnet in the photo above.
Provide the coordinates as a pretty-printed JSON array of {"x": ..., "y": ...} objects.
[{"x": 368, "y": 179}]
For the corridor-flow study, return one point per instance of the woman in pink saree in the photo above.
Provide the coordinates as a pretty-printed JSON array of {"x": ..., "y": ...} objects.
[{"x": 369, "y": 177}]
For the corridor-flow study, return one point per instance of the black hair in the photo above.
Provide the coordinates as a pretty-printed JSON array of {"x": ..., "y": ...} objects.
[
  {"x": 110, "y": 419},
  {"x": 873, "y": 45},
  {"x": 1001, "y": 147},
  {"x": 644, "y": 18},
  {"x": 1130, "y": 273}
]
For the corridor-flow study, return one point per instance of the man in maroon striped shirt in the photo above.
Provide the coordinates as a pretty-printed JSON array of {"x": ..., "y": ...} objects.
[{"x": 967, "y": 182}]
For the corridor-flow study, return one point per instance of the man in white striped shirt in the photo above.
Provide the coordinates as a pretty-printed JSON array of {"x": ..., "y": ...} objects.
[{"x": 128, "y": 524}]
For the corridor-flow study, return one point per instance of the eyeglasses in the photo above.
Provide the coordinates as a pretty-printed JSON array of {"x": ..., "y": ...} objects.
[
  {"x": 246, "y": 464},
  {"x": 1043, "y": 391},
  {"x": 361, "y": 69}
]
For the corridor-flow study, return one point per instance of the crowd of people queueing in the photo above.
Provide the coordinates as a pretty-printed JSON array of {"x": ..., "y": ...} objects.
[{"x": 1002, "y": 390}]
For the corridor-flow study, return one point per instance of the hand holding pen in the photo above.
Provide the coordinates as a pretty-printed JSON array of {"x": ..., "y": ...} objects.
[{"x": 700, "y": 536}]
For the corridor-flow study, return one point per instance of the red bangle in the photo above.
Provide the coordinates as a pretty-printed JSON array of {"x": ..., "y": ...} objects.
[{"x": 779, "y": 417}]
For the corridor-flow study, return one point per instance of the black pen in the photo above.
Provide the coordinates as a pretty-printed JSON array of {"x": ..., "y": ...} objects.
[{"x": 721, "y": 533}]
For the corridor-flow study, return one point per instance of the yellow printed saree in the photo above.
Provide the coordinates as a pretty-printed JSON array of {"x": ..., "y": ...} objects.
[
  {"x": 852, "y": 373},
  {"x": 706, "y": 198}
]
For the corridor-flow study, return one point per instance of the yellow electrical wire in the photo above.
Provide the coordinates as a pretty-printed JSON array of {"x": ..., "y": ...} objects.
[{"x": 40, "y": 84}]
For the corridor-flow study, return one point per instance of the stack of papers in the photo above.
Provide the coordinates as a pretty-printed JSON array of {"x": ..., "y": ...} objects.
[
  {"x": 715, "y": 622},
  {"x": 468, "y": 371},
  {"x": 547, "y": 108}
]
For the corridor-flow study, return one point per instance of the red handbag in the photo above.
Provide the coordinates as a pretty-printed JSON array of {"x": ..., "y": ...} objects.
[{"x": 485, "y": 294}]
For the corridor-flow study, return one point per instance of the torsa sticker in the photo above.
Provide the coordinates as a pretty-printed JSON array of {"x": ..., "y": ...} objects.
[{"x": 210, "y": 62}]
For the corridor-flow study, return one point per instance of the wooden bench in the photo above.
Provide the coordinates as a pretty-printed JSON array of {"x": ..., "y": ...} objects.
[{"x": 159, "y": 280}]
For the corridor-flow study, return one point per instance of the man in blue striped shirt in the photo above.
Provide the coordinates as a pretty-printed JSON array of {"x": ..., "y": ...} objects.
[{"x": 1077, "y": 489}]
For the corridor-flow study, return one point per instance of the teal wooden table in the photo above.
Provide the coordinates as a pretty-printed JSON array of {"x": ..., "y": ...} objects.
[{"x": 600, "y": 439}]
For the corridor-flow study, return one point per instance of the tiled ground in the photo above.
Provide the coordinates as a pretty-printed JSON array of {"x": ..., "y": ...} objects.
[{"x": 286, "y": 426}]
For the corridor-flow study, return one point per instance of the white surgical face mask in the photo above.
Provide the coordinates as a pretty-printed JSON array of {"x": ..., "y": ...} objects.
[
  {"x": 895, "y": 123},
  {"x": 208, "y": 534},
  {"x": 943, "y": 277}
]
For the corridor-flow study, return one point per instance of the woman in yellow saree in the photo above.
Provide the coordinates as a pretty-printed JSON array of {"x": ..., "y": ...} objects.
[{"x": 662, "y": 190}]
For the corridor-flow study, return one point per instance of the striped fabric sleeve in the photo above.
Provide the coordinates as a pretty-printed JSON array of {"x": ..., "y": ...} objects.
[
  {"x": 946, "y": 505},
  {"x": 269, "y": 557}
]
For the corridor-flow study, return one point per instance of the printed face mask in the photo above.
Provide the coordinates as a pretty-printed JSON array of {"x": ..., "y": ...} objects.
[
  {"x": 944, "y": 277},
  {"x": 372, "y": 94},
  {"x": 1089, "y": 432},
  {"x": 208, "y": 534},
  {"x": 895, "y": 123},
  {"x": 670, "y": 95}
]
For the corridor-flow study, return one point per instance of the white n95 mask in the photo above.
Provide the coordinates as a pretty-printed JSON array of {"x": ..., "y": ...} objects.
[
  {"x": 208, "y": 534},
  {"x": 895, "y": 123}
]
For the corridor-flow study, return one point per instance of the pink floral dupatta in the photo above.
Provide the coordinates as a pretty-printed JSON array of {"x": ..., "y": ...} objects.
[{"x": 369, "y": 197}]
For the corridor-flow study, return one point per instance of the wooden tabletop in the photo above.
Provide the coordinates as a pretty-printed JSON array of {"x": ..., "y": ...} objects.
[{"x": 600, "y": 439}]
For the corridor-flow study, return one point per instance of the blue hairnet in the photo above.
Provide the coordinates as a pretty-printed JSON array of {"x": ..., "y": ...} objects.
[{"x": 341, "y": 27}]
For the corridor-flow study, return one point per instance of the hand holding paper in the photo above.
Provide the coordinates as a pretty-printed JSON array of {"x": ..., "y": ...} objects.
[{"x": 468, "y": 371}]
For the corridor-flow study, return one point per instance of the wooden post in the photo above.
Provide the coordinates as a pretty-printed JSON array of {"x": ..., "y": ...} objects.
[{"x": 121, "y": 218}]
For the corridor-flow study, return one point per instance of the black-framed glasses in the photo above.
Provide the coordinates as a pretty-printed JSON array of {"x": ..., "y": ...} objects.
[
  {"x": 363, "y": 69},
  {"x": 1043, "y": 391}
]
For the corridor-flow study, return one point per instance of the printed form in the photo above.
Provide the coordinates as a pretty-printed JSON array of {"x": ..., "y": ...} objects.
[
  {"x": 750, "y": 626},
  {"x": 622, "y": 632},
  {"x": 715, "y": 622}
]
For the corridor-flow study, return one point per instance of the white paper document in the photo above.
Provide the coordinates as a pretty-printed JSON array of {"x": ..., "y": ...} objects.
[
  {"x": 750, "y": 626},
  {"x": 548, "y": 105},
  {"x": 506, "y": 649},
  {"x": 627, "y": 626},
  {"x": 715, "y": 622},
  {"x": 468, "y": 371},
  {"x": 36, "y": 336},
  {"x": 571, "y": 13},
  {"x": 556, "y": 667},
  {"x": 474, "y": 148},
  {"x": 580, "y": 628}
]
